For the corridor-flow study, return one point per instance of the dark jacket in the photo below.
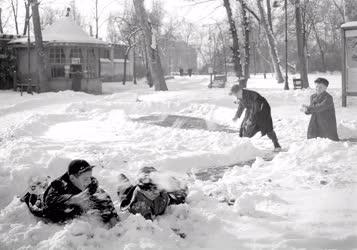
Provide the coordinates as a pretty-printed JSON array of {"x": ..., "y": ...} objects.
[
  {"x": 323, "y": 117},
  {"x": 257, "y": 116},
  {"x": 149, "y": 201},
  {"x": 57, "y": 209}
]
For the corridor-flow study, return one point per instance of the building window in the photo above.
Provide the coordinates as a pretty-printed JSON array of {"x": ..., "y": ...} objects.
[
  {"x": 57, "y": 71},
  {"x": 104, "y": 53},
  {"x": 57, "y": 61},
  {"x": 57, "y": 55},
  {"x": 76, "y": 56}
]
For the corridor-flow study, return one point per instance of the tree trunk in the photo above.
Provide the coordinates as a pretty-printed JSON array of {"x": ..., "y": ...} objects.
[
  {"x": 246, "y": 28},
  {"x": 96, "y": 19},
  {"x": 124, "y": 73},
  {"x": 1, "y": 29},
  {"x": 322, "y": 52},
  {"x": 151, "y": 47},
  {"x": 14, "y": 8},
  {"x": 40, "y": 53},
  {"x": 270, "y": 22},
  {"x": 134, "y": 62},
  {"x": 126, "y": 62},
  {"x": 272, "y": 44},
  {"x": 301, "y": 45},
  {"x": 27, "y": 14},
  {"x": 148, "y": 75},
  {"x": 235, "y": 47}
]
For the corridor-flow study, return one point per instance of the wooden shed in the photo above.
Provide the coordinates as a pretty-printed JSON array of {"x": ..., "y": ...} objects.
[{"x": 72, "y": 58}]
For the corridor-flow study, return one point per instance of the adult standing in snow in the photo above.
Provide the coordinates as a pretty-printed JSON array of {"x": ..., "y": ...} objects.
[
  {"x": 75, "y": 193},
  {"x": 257, "y": 115},
  {"x": 322, "y": 111}
]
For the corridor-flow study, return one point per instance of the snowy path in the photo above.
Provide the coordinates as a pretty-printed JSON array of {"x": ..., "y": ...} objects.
[{"x": 301, "y": 199}]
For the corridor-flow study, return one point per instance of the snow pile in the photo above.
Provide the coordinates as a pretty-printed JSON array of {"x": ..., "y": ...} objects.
[{"x": 301, "y": 198}]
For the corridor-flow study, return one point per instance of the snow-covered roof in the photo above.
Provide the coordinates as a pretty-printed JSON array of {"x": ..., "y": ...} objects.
[
  {"x": 349, "y": 25},
  {"x": 64, "y": 31}
]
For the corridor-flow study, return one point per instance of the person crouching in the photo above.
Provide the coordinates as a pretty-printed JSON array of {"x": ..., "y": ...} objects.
[{"x": 257, "y": 115}]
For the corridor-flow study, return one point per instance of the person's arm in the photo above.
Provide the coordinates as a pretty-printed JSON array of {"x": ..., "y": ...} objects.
[
  {"x": 305, "y": 107},
  {"x": 239, "y": 112},
  {"x": 55, "y": 196},
  {"x": 327, "y": 103}
]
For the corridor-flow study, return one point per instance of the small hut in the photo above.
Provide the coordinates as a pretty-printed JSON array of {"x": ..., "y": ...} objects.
[{"x": 72, "y": 58}]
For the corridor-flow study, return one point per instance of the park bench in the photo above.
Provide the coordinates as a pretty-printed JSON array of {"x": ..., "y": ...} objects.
[
  {"x": 219, "y": 81},
  {"x": 34, "y": 87},
  {"x": 23, "y": 84},
  {"x": 297, "y": 82}
]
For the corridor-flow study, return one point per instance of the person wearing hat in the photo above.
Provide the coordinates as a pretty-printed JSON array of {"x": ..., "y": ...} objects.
[
  {"x": 322, "y": 110},
  {"x": 76, "y": 192},
  {"x": 257, "y": 115}
]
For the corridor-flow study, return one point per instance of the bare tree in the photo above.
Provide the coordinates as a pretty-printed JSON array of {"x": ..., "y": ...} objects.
[
  {"x": 272, "y": 43},
  {"x": 235, "y": 46},
  {"x": 96, "y": 19},
  {"x": 246, "y": 32},
  {"x": 40, "y": 53},
  {"x": 15, "y": 10},
  {"x": 1, "y": 29},
  {"x": 351, "y": 10},
  {"x": 151, "y": 46},
  {"x": 27, "y": 17},
  {"x": 301, "y": 44},
  {"x": 128, "y": 31}
]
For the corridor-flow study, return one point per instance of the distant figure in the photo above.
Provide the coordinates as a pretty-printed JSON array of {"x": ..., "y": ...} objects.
[
  {"x": 189, "y": 72},
  {"x": 322, "y": 111},
  {"x": 257, "y": 115},
  {"x": 181, "y": 71},
  {"x": 147, "y": 197},
  {"x": 73, "y": 194},
  {"x": 68, "y": 12}
]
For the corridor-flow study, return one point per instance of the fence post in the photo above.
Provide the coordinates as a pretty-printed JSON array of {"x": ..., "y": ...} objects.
[{"x": 14, "y": 80}]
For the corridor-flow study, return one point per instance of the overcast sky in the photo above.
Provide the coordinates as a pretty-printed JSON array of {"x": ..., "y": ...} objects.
[{"x": 200, "y": 14}]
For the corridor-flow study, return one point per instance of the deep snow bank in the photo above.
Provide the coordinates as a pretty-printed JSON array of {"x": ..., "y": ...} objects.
[{"x": 302, "y": 199}]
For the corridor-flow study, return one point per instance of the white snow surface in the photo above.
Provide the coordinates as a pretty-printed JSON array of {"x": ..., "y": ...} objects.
[{"x": 305, "y": 198}]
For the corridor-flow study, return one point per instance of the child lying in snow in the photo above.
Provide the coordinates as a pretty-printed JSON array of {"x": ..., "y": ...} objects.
[
  {"x": 152, "y": 194},
  {"x": 75, "y": 193}
]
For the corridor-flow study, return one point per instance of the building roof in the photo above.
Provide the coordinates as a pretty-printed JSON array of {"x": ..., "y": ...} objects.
[
  {"x": 349, "y": 25},
  {"x": 63, "y": 31}
]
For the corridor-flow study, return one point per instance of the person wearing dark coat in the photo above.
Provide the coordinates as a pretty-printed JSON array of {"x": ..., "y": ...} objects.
[
  {"x": 146, "y": 197},
  {"x": 75, "y": 193},
  {"x": 322, "y": 110},
  {"x": 257, "y": 115}
]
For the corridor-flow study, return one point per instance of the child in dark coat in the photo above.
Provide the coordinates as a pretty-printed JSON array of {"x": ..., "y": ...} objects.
[
  {"x": 147, "y": 197},
  {"x": 74, "y": 193},
  {"x": 322, "y": 110}
]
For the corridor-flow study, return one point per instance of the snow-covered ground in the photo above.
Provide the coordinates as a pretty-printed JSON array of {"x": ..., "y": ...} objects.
[{"x": 304, "y": 198}]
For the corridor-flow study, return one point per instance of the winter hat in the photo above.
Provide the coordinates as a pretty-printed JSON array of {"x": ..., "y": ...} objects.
[
  {"x": 235, "y": 88},
  {"x": 322, "y": 81},
  {"x": 78, "y": 166}
]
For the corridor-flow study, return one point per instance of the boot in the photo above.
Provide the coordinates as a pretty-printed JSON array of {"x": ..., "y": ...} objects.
[{"x": 272, "y": 136}]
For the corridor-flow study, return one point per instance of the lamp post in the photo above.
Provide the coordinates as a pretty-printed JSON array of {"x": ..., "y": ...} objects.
[{"x": 286, "y": 86}]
